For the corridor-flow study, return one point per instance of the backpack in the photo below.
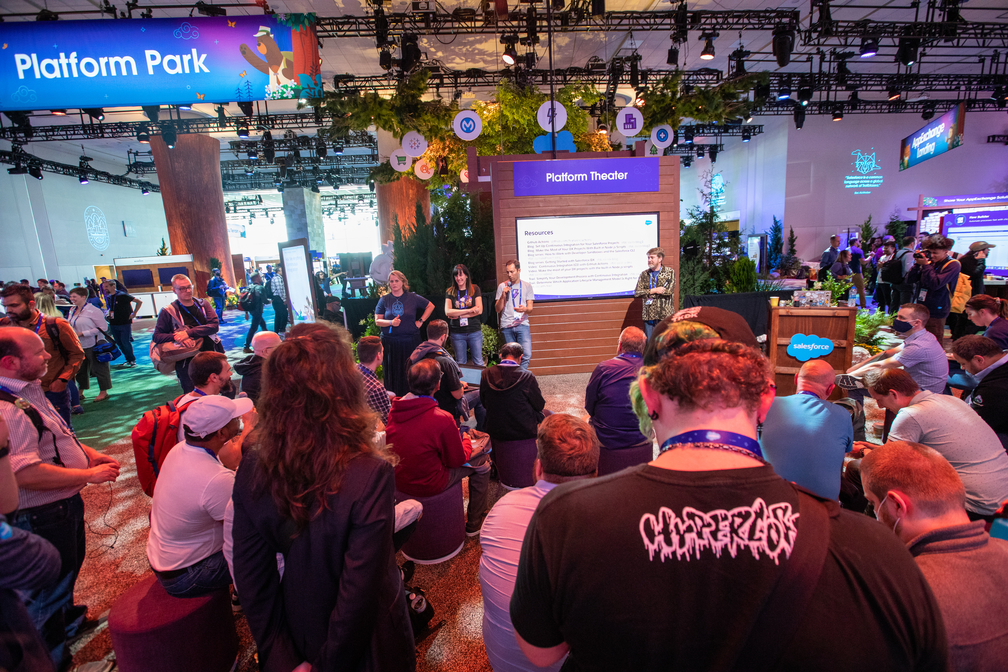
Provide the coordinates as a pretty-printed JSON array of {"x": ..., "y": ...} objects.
[
  {"x": 267, "y": 292},
  {"x": 52, "y": 328},
  {"x": 249, "y": 299},
  {"x": 153, "y": 438},
  {"x": 892, "y": 270},
  {"x": 963, "y": 292}
]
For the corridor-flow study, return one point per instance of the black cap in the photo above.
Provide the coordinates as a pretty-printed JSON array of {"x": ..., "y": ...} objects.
[{"x": 728, "y": 325}]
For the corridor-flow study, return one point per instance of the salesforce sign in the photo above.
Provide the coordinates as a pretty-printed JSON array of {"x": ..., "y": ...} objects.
[{"x": 805, "y": 347}]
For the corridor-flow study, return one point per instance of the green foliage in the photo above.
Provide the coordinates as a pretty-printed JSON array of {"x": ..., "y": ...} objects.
[
  {"x": 214, "y": 262},
  {"x": 742, "y": 277},
  {"x": 896, "y": 227},
  {"x": 163, "y": 250},
  {"x": 792, "y": 241},
  {"x": 491, "y": 345},
  {"x": 769, "y": 285},
  {"x": 866, "y": 232},
  {"x": 790, "y": 266},
  {"x": 420, "y": 253},
  {"x": 775, "y": 245},
  {"x": 665, "y": 102},
  {"x": 839, "y": 289},
  {"x": 866, "y": 327},
  {"x": 704, "y": 251}
]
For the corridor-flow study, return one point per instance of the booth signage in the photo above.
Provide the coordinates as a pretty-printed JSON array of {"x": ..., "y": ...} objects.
[
  {"x": 585, "y": 176},
  {"x": 79, "y": 64},
  {"x": 964, "y": 200},
  {"x": 938, "y": 137},
  {"x": 804, "y": 347}
]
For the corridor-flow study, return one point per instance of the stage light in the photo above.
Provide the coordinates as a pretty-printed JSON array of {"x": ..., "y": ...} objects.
[
  {"x": 249, "y": 171},
  {"x": 746, "y": 136},
  {"x": 738, "y": 62},
  {"x": 838, "y": 114},
  {"x": 708, "y": 50},
  {"x": 688, "y": 135},
  {"x": 209, "y": 10},
  {"x": 321, "y": 150},
  {"x": 998, "y": 95},
  {"x": 152, "y": 112},
  {"x": 18, "y": 169},
  {"x": 799, "y": 117},
  {"x": 761, "y": 91},
  {"x": 853, "y": 102},
  {"x": 82, "y": 177},
  {"x": 928, "y": 111},
  {"x": 185, "y": 107},
  {"x": 598, "y": 8},
  {"x": 634, "y": 72},
  {"x": 143, "y": 134},
  {"x": 253, "y": 154},
  {"x": 748, "y": 118},
  {"x": 58, "y": 113},
  {"x": 700, "y": 151},
  {"x": 242, "y": 129},
  {"x": 687, "y": 161},
  {"x": 381, "y": 27},
  {"x": 869, "y": 46},
  {"x": 96, "y": 113},
  {"x": 804, "y": 92},
  {"x": 783, "y": 44},
  {"x": 337, "y": 149},
  {"x": 894, "y": 94},
  {"x": 510, "y": 55},
  {"x": 673, "y": 57},
  {"x": 169, "y": 135},
  {"x": 675, "y": 138},
  {"x": 144, "y": 189},
  {"x": 20, "y": 119},
  {"x": 410, "y": 53},
  {"x": 603, "y": 129},
  {"x": 385, "y": 60},
  {"x": 36, "y": 172},
  {"x": 785, "y": 92},
  {"x": 908, "y": 48},
  {"x": 713, "y": 154}
]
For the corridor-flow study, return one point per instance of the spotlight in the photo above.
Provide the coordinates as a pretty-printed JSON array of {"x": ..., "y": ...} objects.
[
  {"x": 151, "y": 112},
  {"x": 249, "y": 170},
  {"x": 46, "y": 15},
  {"x": 20, "y": 119},
  {"x": 36, "y": 172},
  {"x": 928, "y": 111},
  {"x": 998, "y": 94},
  {"x": 700, "y": 151},
  {"x": 385, "y": 60},
  {"x": 843, "y": 72},
  {"x": 371, "y": 186},
  {"x": 708, "y": 50},
  {"x": 82, "y": 177},
  {"x": 738, "y": 62},
  {"x": 410, "y": 55},
  {"x": 785, "y": 91},
  {"x": 748, "y": 118},
  {"x": 838, "y": 113},
  {"x": 635, "y": 73},
  {"x": 221, "y": 117},
  {"x": 603, "y": 129},
  {"x": 209, "y": 10},
  {"x": 253, "y": 154},
  {"x": 853, "y": 102},
  {"x": 869, "y": 46},
  {"x": 381, "y": 27},
  {"x": 598, "y": 8},
  {"x": 169, "y": 135},
  {"x": 746, "y": 136},
  {"x": 246, "y": 108},
  {"x": 144, "y": 190},
  {"x": 799, "y": 117},
  {"x": 185, "y": 106},
  {"x": 804, "y": 92},
  {"x": 242, "y": 128},
  {"x": 96, "y": 113},
  {"x": 908, "y": 48},
  {"x": 783, "y": 44},
  {"x": 688, "y": 135},
  {"x": 530, "y": 60},
  {"x": 143, "y": 134},
  {"x": 510, "y": 55},
  {"x": 675, "y": 138},
  {"x": 18, "y": 169},
  {"x": 337, "y": 149},
  {"x": 320, "y": 147},
  {"x": 894, "y": 94},
  {"x": 283, "y": 171},
  {"x": 673, "y": 57},
  {"x": 713, "y": 154},
  {"x": 58, "y": 113},
  {"x": 687, "y": 161}
]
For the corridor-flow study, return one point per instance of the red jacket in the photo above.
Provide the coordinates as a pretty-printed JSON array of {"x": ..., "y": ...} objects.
[{"x": 428, "y": 444}]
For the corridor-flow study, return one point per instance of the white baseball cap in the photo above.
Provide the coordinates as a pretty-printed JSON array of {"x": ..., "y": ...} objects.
[{"x": 208, "y": 414}]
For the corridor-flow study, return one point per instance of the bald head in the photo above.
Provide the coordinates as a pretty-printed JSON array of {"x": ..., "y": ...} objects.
[
  {"x": 264, "y": 342},
  {"x": 632, "y": 340},
  {"x": 22, "y": 354},
  {"x": 816, "y": 376}
]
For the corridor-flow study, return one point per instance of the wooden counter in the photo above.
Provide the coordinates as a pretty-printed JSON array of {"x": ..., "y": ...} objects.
[{"x": 836, "y": 324}]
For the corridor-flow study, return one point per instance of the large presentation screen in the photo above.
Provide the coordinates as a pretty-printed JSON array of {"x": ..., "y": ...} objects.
[
  {"x": 987, "y": 225},
  {"x": 585, "y": 257}
]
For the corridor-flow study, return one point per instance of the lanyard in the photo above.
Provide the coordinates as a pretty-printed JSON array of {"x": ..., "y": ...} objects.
[
  {"x": 209, "y": 452},
  {"x": 198, "y": 323},
  {"x": 520, "y": 290},
  {"x": 811, "y": 394},
  {"x": 198, "y": 392},
  {"x": 631, "y": 355},
  {"x": 57, "y": 460},
  {"x": 715, "y": 440},
  {"x": 39, "y": 323},
  {"x": 654, "y": 278}
]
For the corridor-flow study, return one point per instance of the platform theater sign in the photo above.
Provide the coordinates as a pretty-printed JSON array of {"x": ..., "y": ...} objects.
[{"x": 95, "y": 64}]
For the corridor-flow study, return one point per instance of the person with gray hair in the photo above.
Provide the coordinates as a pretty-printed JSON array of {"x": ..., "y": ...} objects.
[
  {"x": 917, "y": 493},
  {"x": 607, "y": 397}
]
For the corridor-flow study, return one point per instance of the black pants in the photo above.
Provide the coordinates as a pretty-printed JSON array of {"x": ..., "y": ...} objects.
[
  {"x": 901, "y": 294},
  {"x": 258, "y": 323},
  {"x": 280, "y": 315}
]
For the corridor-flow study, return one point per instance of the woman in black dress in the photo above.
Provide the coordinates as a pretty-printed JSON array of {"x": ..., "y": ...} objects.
[{"x": 396, "y": 314}]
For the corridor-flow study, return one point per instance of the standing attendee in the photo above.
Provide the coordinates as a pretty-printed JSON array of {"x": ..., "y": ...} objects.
[
  {"x": 984, "y": 359},
  {"x": 974, "y": 265},
  {"x": 65, "y": 351},
  {"x": 935, "y": 273},
  {"x": 514, "y": 303},
  {"x": 805, "y": 437},
  {"x": 902, "y": 288},
  {"x": 278, "y": 292},
  {"x": 51, "y": 467},
  {"x": 449, "y": 394},
  {"x": 567, "y": 451},
  {"x": 511, "y": 396},
  {"x": 396, "y": 314},
  {"x": 652, "y": 568},
  {"x": 857, "y": 277},
  {"x": 656, "y": 285},
  {"x": 917, "y": 493},
  {"x": 922, "y": 236},
  {"x": 990, "y": 313},
  {"x": 90, "y": 325},
  {"x": 464, "y": 308},
  {"x": 883, "y": 288},
  {"x": 829, "y": 257},
  {"x": 217, "y": 290},
  {"x": 250, "y": 368},
  {"x": 122, "y": 310},
  {"x": 369, "y": 352},
  {"x": 317, "y": 489},
  {"x": 183, "y": 321},
  {"x": 257, "y": 297},
  {"x": 607, "y": 397},
  {"x": 61, "y": 290}
]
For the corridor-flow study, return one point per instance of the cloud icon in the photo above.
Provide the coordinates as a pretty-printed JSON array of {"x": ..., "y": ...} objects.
[
  {"x": 186, "y": 31},
  {"x": 24, "y": 95},
  {"x": 805, "y": 347},
  {"x": 564, "y": 142}
]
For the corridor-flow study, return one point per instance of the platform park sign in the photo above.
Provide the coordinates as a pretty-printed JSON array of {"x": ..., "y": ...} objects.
[{"x": 84, "y": 64}]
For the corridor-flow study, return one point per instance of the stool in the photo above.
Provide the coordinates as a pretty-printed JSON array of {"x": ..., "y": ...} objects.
[
  {"x": 611, "y": 461},
  {"x": 440, "y": 532},
  {"x": 514, "y": 460},
  {"x": 155, "y": 632}
]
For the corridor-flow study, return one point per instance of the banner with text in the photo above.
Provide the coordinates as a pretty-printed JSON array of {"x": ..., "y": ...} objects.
[
  {"x": 938, "y": 137},
  {"x": 965, "y": 200},
  {"x": 585, "y": 176},
  {"x": 77, "y": 64}
]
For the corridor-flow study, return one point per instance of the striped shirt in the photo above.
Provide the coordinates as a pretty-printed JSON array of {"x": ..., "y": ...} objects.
[
  {"x": 376, "y": 394},
  {"x": 28, "y": 449},
  {"x": 277, "y": 286}
]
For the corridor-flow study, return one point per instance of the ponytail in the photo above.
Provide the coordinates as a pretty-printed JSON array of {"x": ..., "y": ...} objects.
[
  {"x": 989, "y": 303},
  {"x": 1002, "y": 308}
]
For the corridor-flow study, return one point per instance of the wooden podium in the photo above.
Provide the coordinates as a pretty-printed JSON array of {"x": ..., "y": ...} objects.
[{"x": 836, "y": 324}]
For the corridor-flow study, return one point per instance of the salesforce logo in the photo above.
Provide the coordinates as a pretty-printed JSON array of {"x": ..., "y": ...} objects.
[
  {"x": 803, "y": 348},
  {"x": 647, "y": 222}
]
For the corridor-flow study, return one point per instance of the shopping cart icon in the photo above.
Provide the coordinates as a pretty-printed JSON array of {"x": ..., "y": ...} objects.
[{"x": 401, "y": 160}]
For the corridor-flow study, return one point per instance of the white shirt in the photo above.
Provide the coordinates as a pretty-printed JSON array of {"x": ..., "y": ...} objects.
[
  {"x": 187, "y": 516},
  {"x": 86, "y": 322},
  {"x": 519, "y": 294}
]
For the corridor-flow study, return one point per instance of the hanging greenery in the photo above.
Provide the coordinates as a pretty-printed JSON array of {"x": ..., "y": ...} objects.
[{"x": 666, "y": 101}]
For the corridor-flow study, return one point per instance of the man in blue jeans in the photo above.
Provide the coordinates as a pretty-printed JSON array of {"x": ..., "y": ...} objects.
[
  {"x": 122, "y": 310},
  {"x": 186, "y": 542},
  {"x": 217, "y": 290},
  {"x": 514, "y": 303}
]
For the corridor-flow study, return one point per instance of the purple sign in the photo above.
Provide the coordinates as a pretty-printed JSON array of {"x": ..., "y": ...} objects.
[
  {"x": 585, "y": 176},
  {"x": 963, "y": 201}
]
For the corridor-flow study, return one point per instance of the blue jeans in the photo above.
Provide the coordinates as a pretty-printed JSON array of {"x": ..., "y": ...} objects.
[
  {"x": 258, "y": 323},
  {"x": 121, "y": 334},
  {"x": 206, "y": 576},
  {"x": 474, "y": 341},
  {"x": 648, "y": 328},
  {"x": 521, "y": 335},
  {"x": 219, "y": 307},
  {"x": 61, "y": 402},
  {"x": 61, "y": 524}
]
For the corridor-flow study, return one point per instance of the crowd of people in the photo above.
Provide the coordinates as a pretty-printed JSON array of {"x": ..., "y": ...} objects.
[{"x": 738, "y": 543}]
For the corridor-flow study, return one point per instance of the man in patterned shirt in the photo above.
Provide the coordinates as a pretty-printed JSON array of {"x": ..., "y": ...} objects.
[
  {"x": 369, "y": 353},
  {"x": 51, "y": 467},
  {"x": 279, "y": 292},
  {"x": 656, "y": 286}
]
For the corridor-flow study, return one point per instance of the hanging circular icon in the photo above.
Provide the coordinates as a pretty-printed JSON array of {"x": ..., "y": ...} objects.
[
  {"x": 424, "y": 169},
  {"x": 467, "y": 125},
  {"x": 414, "y": 144},
  {"x": 651, "y": 149},
  {"x": 400, "y": 161},
  {"x": 464, "y": 175},
  {"x": 629, "y": 121},
  {"x": 662, "y": 135},
  {"x": 546, "y": 114}
]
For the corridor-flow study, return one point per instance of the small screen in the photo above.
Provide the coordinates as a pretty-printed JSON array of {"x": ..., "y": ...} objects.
[
  {"x": 990, "y": 226},
  {"x": 165, "y": 274},
  {"x": 137, "y": 277}
]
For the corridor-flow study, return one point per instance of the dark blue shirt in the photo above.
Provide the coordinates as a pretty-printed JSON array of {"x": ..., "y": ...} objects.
[
  {"x": 856, "y": 255},
  {"x": 997, "y": 331},
  {"x": 405, "y": 307},
  {"x": 607, "y": 400}
]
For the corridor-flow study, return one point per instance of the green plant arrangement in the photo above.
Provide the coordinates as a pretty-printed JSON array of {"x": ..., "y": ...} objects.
[
  {"x": 491, "y": 345},
  {"x": 769, "y": 285},
  {"x": 839, "y": 289},
  {"x": 792, "y": 243},
  {"x": 867, "y": 231},
  {"x": 896, "y": 227},
  {"x": 866, "y": 329},
  {"x": 214, "y": 262},
  {"x": 703, "y": 250},
  {"x": 742, "y": 277},
  {"x": 666, "y": 101},
  {"x": 775, "y": 244},
  {"x": 163, "y": 250}
]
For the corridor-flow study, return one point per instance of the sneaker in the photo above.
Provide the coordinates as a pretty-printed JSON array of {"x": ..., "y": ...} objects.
[
  {"x": 77, "y": 410},
  {"x": 247, "y": 350},
  {"x": 130, "y": 365},
  {"x": 473, "y": 531},
  {"x": 849, "y": 382},
  {"x": 406, "y": 571}
]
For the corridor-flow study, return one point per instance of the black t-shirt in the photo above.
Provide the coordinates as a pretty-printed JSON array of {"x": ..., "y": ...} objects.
[
  {"x": 462, "y": 302},
  {"x": 120, "y": 308},
  {"x": 652, "y": 569}
]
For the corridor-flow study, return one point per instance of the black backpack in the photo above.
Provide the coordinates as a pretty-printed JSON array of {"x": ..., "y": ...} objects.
[
  {"x": 249, "y": 300},
  {"x": 892, "y": 270}
]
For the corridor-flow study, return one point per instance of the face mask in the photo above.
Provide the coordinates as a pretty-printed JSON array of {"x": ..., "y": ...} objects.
[
  {"x": 901, "y": 327},
  {"x": 879, "y": 508}
]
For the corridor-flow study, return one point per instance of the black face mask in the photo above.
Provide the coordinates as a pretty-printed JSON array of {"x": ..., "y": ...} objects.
[{"x": 901, "y": 327}]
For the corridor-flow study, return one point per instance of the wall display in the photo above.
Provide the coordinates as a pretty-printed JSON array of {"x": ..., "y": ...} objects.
[
  {"x": 61, "y": 64},
  {"x": 400, "y": 160},
  {"x": 414, "y": 144},
  {"x": 966, "y": 227},
  {"x": 804, "y": 347},
  {"x": 579, "y": 257},
  {"x": 865, "y": 173},
  {"x": 298, "y": 277},
  {"x": 546, "y": 113},
  {"x": 629, "y": 121},
  {"x": 662, "y": 136},
  {"x": 964, "y": 200},
  {"x": 585, "y": 176},
  {"x": 97, "y": 228},
  {"x": 467, "y": 125},
  {"x": 941, "y": 135}
]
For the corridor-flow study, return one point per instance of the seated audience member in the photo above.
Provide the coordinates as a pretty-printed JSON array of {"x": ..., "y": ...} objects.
[
  {"x": 511, "y": 396},
  {"x": 370, "y": 354},
  {"x": 433, "y": 454},
  {"x": 920, "y": 354},
  {"x": 317, "y": 489},
  {"x": 250, "y": 368},
  {"x": 951, "y": 427},
  {"x": 918, "y": 494},
  {"x": 990, "y": 312},
  {"x": 805, "y": 437},
  {"x": 185, "y": 546},
  {"x": 607, "y": 397},
  {"x": 622, "y": 572},
  {"x": 568, "y": 451},
  {"x": 210, "y": 372},
  {"x": 983, "y": 359},
  {"x": 449, "y": 394}
]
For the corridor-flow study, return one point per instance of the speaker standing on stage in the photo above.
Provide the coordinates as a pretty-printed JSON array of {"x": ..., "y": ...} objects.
[
  {"x": 514, "y": 303},
  {"x": 656, "y": 285},
  {"x": 400, "y": 327}
]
